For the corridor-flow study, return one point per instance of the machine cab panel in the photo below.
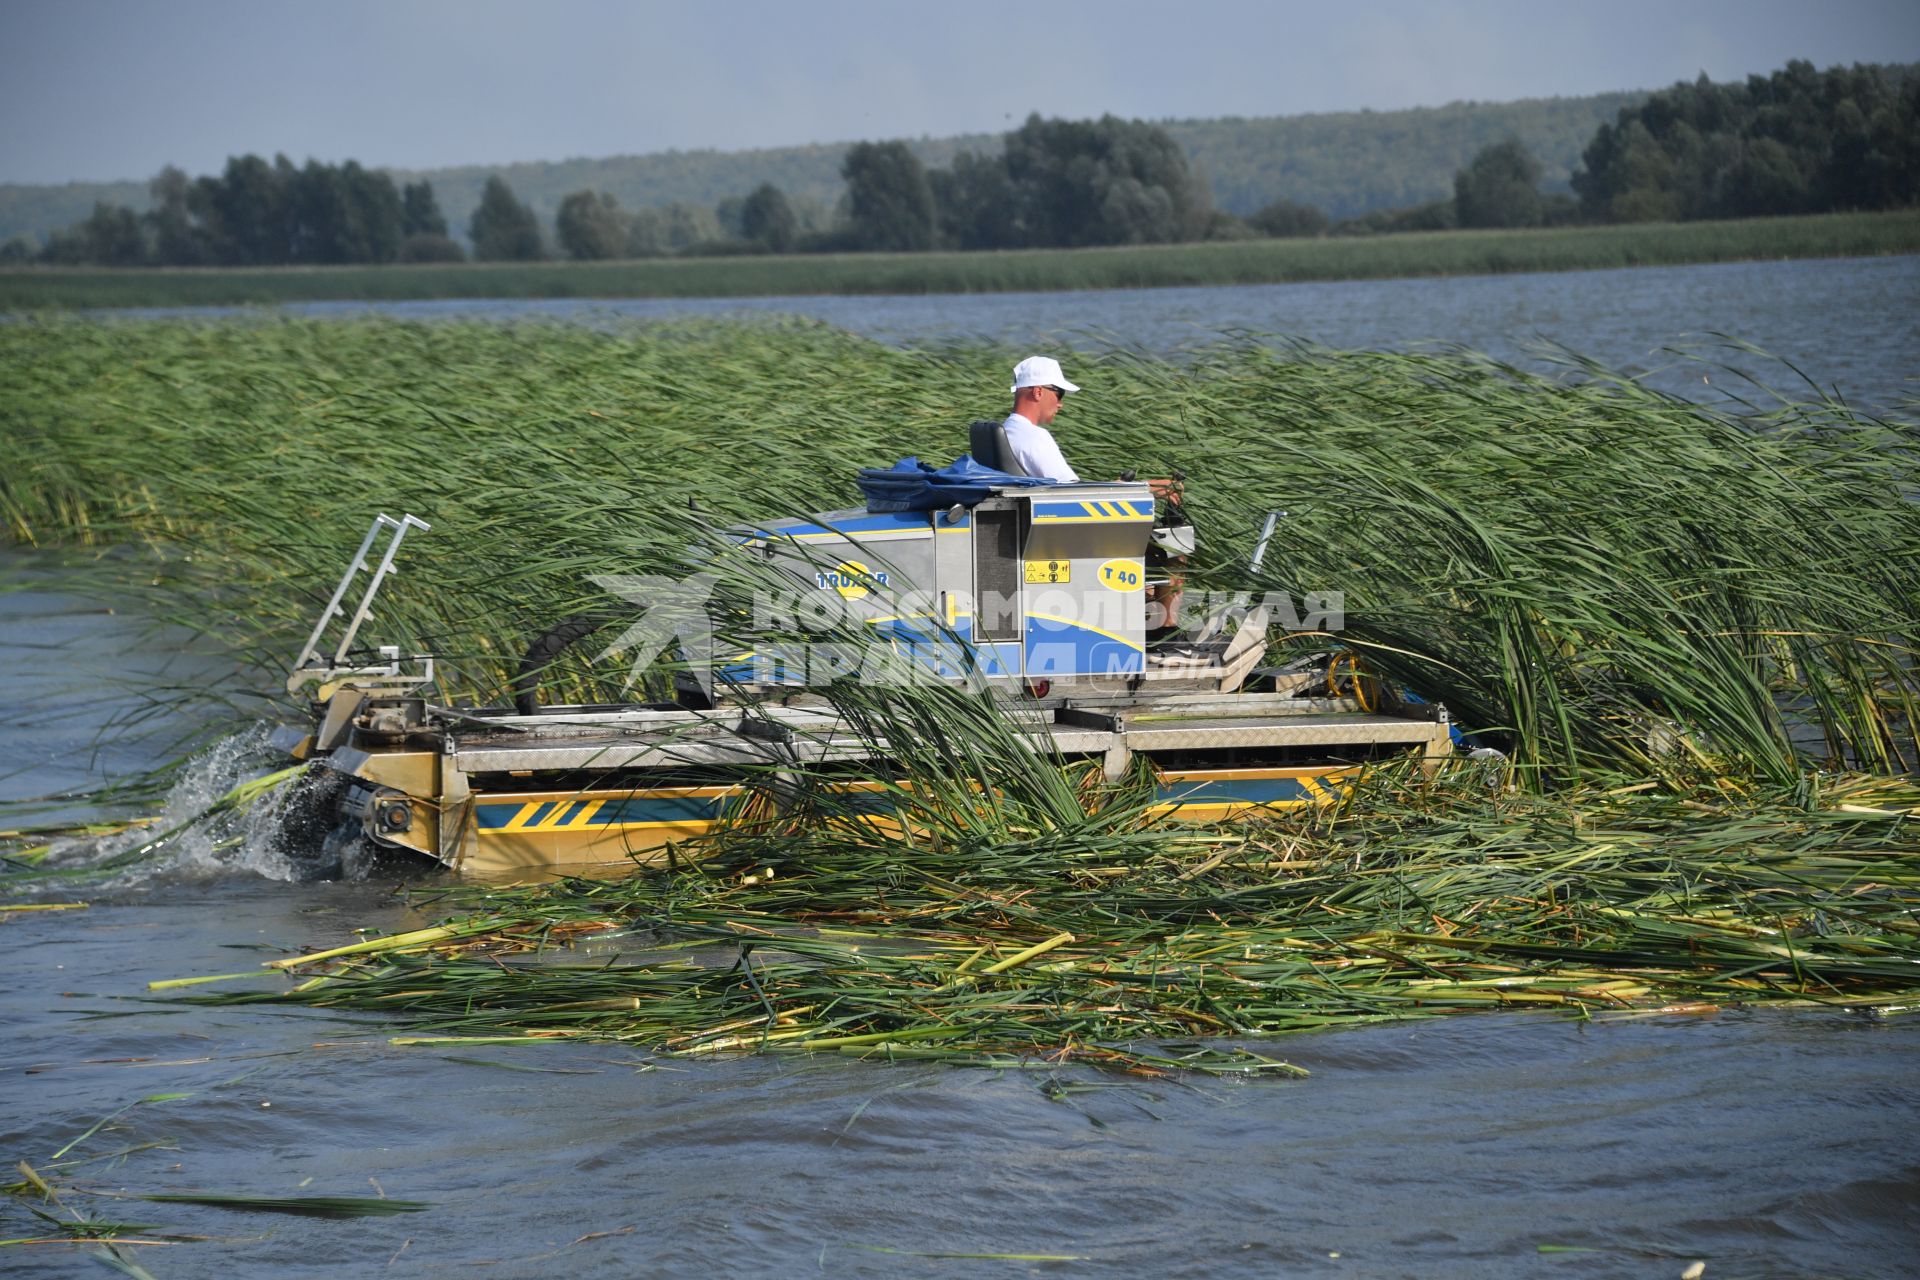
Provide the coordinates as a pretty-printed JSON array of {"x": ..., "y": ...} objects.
[{"x": 1059, "y": 580}]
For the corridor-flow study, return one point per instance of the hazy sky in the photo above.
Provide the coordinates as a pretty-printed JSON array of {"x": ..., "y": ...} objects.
[{"x": 106, "y": 89}]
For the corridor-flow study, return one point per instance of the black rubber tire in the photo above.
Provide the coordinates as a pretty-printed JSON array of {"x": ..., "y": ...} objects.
[{"x": 541, "y": 653}]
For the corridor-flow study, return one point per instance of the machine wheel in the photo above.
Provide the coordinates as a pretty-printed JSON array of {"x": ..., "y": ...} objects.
[
  {"x": 365, "y": 859},
  {"x": 349, "y": 854},
  {"x": 541, "y": 653},
  {"x": 307, "y": 818},
  {"x": 342, "y": 844}
]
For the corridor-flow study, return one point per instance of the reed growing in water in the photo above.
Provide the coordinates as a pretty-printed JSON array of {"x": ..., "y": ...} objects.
[{"x": 1562, "y": 561}]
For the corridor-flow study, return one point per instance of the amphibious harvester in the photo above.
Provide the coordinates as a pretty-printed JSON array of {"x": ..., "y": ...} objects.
[{"x": 1038, "y": 591}]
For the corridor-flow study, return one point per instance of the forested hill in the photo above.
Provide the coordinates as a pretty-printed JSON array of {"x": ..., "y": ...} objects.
[
  {"x": 1346, "y": 164},
  {"x": 1355, "y": 162}
]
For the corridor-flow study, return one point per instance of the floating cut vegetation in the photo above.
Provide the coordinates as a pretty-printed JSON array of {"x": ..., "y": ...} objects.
[
  {"x": 1147, "y": 952},
  {"x": 1679, "y": 622}
]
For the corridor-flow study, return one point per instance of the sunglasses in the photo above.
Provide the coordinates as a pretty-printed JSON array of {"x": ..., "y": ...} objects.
[{"x": 1059, "y": 393}]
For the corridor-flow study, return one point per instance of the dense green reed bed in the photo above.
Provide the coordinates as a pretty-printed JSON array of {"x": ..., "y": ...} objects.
[
  {"x": 1595, "y": 573},
  {"x": 1143, "y": 266},
  {"x": 1672, "y": 618}
]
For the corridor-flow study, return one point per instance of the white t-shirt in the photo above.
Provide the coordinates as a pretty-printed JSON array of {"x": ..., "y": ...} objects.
[{"x": 1034, "y": 449}]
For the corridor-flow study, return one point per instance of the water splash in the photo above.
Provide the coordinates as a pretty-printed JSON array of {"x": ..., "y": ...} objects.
[
  {"x": 248, "y": 839},
  {"x": 208, "y": 839}
]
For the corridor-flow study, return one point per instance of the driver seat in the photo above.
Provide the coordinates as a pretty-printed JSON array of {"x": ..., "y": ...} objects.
[{"x": 987, "y": 442}]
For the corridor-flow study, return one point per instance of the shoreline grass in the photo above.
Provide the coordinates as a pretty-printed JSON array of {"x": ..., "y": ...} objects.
[{"x": 1412, "y": 254}]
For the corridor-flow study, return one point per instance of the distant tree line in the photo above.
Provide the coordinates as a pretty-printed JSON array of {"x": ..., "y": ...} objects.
[
  {"x": 591, "y": 225},
  {"x": 1055, "y": 183},
  {"x": 1343, "y": 163},
  {"x": 261, "y": 214},
  {"x": 1798, "y": 141}
]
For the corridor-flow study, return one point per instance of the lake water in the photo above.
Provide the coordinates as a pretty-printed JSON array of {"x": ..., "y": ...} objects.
[
  {"x": 1850, "y": 325},
  {"x": 1768, "y": 1144}
]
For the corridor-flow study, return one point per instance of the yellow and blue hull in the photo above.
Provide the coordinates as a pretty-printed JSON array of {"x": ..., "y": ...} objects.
[{"x": 536, "y": 833}]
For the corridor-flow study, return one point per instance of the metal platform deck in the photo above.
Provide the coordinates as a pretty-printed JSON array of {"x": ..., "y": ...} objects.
[{"x": 598, "y": 739}]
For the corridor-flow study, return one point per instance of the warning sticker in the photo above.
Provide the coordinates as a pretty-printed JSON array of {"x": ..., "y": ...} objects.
[{"x": 1049, "y": 570}]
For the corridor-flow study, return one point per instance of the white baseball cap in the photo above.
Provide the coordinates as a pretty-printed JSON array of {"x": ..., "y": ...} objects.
[{"x": 1040, "y": 371}]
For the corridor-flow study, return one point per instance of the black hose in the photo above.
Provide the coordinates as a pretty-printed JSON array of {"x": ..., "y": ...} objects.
[{"x": 540, "y": 654}]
